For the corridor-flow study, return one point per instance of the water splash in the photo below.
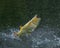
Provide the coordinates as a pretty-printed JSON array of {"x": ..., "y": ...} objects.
[
  {"x": 11, "y": 34},
  {"x": 44, "y": 37}
]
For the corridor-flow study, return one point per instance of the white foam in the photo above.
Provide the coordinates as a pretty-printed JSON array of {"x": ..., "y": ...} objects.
[{"x": 46, "y": 36}]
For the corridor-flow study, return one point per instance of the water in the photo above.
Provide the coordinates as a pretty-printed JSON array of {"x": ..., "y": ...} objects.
[
  {"x": 15, "y": 13},
  {"x": 44, "y": 37}
]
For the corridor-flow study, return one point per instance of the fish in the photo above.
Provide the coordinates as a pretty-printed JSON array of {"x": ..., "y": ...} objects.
[{"x": 29, "y": 27}]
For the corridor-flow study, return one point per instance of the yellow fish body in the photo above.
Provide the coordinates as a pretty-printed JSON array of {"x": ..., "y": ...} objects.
[{"x": 29, "y": 26}]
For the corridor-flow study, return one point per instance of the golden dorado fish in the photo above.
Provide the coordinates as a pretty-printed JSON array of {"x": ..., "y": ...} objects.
[{"x": 29, "y": 26}]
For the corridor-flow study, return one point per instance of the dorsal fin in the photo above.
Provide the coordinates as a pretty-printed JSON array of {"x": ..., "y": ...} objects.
[{"x": 21, "y": 27}]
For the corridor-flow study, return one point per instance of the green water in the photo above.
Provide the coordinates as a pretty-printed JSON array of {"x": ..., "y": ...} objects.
[{"x": 18, "y": 12}]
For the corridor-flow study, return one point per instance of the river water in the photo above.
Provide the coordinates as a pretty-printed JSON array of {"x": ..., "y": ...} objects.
[
  {"x": 44, "y": 37},
  {"x": 14, "y": 13}
]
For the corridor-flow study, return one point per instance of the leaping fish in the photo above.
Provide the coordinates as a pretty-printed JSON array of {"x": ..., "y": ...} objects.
[{"x": 29, "y": 27}]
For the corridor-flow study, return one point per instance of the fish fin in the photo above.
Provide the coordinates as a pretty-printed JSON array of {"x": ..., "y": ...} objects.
[{"x": 21, "y": 27}]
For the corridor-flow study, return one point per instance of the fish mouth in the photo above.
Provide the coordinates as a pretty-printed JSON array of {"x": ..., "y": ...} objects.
[{"x": 37, "y": 16}]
